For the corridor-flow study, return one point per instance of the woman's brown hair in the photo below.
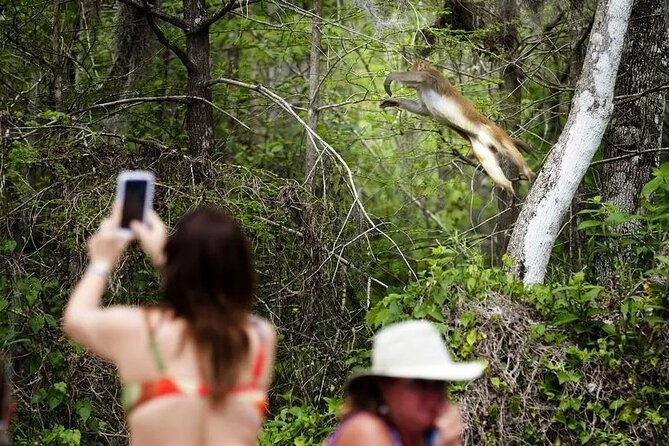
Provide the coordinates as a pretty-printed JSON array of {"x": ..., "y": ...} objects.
[
  {"x": 362, "y": 394},
  {"x": 209, "y": 280}
]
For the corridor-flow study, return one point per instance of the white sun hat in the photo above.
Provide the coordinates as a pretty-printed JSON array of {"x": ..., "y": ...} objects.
[{"x": 415, "y": 349}]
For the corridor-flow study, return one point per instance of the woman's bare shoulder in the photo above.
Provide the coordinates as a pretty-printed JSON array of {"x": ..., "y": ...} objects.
[
  {"x": 108, "y": 331},
  {"x": 363, "y": 429}
]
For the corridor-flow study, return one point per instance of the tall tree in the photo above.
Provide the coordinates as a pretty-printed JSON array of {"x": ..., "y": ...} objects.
[
  {"x": 635, "y": 133},
  {"x": 195, "y": 26},
  {"x": 311, "y": 155},
  {"x": 132, "y": 39},
  {"x": 132, "y": 42},
  {"x": 549, "y": 199},
  {"x": 511, "y": 86},
  {"x": 579, "y": 24}
]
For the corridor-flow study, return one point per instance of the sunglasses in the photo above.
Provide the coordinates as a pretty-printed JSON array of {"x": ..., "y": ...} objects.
[{"x": 426, "y": 385}]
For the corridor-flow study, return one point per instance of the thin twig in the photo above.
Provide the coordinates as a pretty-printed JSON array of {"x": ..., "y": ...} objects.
[
  {"x": 183, "y": 99},
  {"x": 629, "y": 155},
  {"x": 625, "y": 98}
]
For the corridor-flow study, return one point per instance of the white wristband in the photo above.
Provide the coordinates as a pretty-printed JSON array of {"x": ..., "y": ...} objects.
[{"x": 98, "y": 269}]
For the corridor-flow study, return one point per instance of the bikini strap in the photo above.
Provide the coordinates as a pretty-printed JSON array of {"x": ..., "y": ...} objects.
[
  {"x": 259, "y": 363},
  {"x": 153, "y": 345}
]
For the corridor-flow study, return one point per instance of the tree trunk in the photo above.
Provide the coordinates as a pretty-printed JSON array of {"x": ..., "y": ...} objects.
[
  {"x": 636, "y": 125},
  {"x": 89, "y": 14},
  {"x": 511, "y": 77},
  {"x": 311, "y": 215},
  {"x": 549, "y": 199},
  {"x": 57, "y": 54},
  {"x": 199, "y": 117},
  {"x": 311, "y": 155},
  {"x": 132, "y": 39},
  {"x": 578, "y": 31}
]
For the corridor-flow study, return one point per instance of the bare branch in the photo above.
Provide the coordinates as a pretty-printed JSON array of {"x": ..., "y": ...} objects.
[
  {"x": 162, "y": 38},
  {"x": 454, "y": 151},
  {"x": 181, "y": 99},
  {"x": 629, "y": 155},
  {"x": 55, "y": 125},
  {"x": 623, "y": 99},
  {"x": 343, "y": 104},
  {"x": 184, "y": 99}
]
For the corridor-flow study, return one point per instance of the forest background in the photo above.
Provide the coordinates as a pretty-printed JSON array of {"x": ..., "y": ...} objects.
[{"x": 359, "y": 217}]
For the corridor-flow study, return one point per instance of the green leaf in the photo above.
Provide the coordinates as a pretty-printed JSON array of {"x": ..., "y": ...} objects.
[
  {"x": 467, "y": 318},
  {"x": 627, "y": 308},
  {"x": 36, "y": 323},
  {"x": 538, "y": 329},
  {"x": 593, "y": 292},
  {"x": 7, "y": 246},
  {"x": 663, "y": 259},
  {"x": 565, "y": 318},
  {"x": 56, "y": 359},
  {"x": 617, "y": 218},
  {"x": 578, "y": 278},
  {"x": 56, "y": 395},
  {"x": 588, "y": 224},
  {"x": 472, "y": 336},
  {"x": 29, "y": 288},
  {"x": 84, "y": 409},
  {"x": 436, "y": 313},
  {"x": 609, "y": 329},
  {"x": 663, "y": 170},
  {"x": 617, "y": 404},
  {"x": 653, "y": 319},
  {"x": 420, "y": 311}
]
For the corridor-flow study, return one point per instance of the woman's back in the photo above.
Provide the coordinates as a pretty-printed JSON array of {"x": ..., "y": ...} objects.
[
  {"x": 163, "y": 383},
  {"x": 195, "y": 371}
]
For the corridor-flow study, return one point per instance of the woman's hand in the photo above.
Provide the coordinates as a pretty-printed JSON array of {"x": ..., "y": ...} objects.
[
  {"x": 449, "y": 427},
  {"x": 152, "y": 237},
  {"x": 106, "y": 245}
]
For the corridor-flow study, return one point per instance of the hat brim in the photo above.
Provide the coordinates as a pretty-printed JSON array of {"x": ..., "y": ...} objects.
[{"x": 463, "y": 371}]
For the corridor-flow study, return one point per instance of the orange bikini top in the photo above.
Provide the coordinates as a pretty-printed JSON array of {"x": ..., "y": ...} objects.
[{"x": 136, "y": 394}]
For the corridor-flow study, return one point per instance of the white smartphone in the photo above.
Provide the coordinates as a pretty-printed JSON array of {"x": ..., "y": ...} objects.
[{"x": 135, "y": 191}]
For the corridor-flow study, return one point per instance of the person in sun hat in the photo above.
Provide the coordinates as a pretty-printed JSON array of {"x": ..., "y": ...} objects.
[{"x": 401, "y": 400}]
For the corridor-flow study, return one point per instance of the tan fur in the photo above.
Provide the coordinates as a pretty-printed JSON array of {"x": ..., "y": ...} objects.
[{"x": 485, "y": 137}]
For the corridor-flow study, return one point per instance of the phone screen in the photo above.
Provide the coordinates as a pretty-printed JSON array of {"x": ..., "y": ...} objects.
[{"x": 133, "y": 204}]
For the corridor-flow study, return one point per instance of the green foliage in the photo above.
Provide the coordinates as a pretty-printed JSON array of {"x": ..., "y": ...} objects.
[
  {"x": 590, "y": 361},
  {"x": 60, "y": 436},
  {"x": 298, "y": 424},
  {"x": 644, "y": 239},
  {"x": 586, "y": 327}
]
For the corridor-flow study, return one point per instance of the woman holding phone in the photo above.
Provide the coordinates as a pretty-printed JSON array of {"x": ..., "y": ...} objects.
[
  {"x": 196, "y": 368},
  {"x": 402, "y": 400}
]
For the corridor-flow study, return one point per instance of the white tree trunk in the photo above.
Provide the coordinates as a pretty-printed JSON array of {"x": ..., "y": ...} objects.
[{"x": 540, "y": 220}]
